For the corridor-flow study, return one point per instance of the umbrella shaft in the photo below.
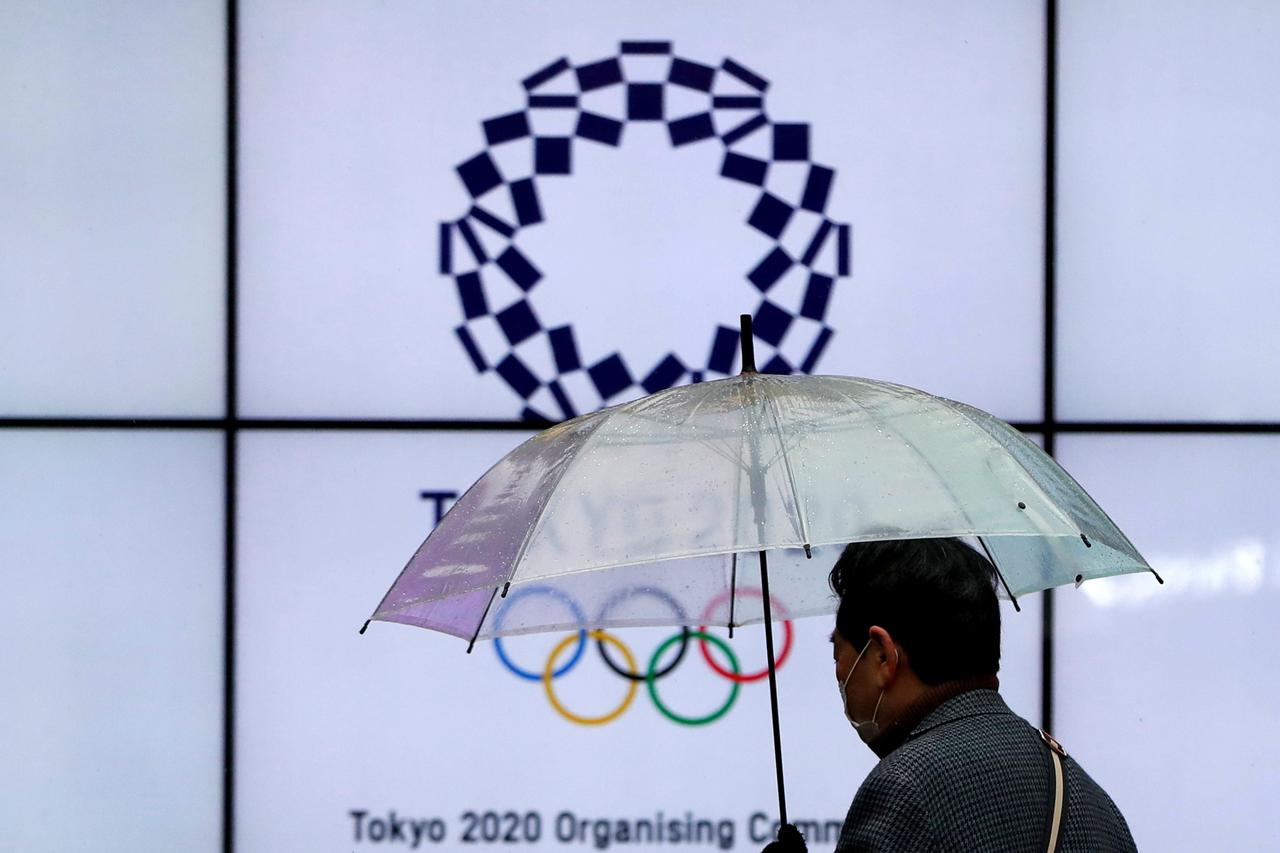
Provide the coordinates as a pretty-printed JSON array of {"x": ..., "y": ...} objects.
[{"x": 773, "y": 687}]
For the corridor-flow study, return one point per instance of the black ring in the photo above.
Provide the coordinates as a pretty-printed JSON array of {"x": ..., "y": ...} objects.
[
  {"x": 684, "y": 644},
  {"x": 661, "y": 596}
]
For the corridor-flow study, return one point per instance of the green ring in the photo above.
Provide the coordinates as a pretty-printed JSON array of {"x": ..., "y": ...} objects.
[{"x": 651, "y": 682}]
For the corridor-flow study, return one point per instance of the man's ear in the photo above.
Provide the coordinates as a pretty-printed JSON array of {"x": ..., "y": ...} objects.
[{"x": 886, "y": 655}]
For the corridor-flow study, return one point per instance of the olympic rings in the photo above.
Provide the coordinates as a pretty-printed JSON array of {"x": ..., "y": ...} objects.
[
  {"x": 651, "y": 682},
  {"x": 602, "y": 638},
  {"x": 680, "y": 616},
  {"x": 553, "y": 669},
  {"x": 559, "y": 596},
  {"x": 788, "y": 637}
]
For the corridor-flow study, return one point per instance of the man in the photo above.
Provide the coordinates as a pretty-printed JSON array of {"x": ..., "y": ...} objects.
[{"x": 916, "y": 649}]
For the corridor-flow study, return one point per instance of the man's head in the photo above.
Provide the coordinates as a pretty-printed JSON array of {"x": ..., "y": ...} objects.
[
  {"x": 935, "y": 597},
  {"x": 917, "y": 618}
]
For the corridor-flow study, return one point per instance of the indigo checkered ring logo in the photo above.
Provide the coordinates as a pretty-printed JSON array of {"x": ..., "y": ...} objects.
[{"x": 496, "y": 280}]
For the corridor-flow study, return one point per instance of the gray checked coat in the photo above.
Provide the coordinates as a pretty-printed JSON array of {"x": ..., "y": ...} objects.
[{"x": 973, "y": 776}]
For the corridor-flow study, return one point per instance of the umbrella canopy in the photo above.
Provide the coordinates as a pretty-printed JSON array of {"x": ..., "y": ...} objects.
[
  {"x": 638, "y": 514},
  {"x": 642, "y": 514}
]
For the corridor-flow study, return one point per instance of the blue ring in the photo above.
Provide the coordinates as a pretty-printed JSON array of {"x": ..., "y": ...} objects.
[{"x": 524, "y": 592}]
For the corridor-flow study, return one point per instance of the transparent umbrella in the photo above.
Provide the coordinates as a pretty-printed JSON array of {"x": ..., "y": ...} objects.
[{"x": 726, "y": 503}]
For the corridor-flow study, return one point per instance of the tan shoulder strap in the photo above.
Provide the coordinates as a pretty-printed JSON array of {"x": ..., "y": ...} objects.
[{"x": 1056, "y": 754}]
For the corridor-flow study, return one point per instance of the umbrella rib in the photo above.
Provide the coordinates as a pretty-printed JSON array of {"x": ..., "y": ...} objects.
[
  {"x": 650, "y": 440},
  {"x": 411, "y": 603},
  {"x": 911, "y": 446},
  {"x": 706, "y": 395},
  {"x": 956, "y": 408},
  {"x": 515, "y": 562},
  {"x": 639, "y": 408},
  {"x": 555, "y": 493},
  {"x": 786, "y": 463},
  {"x": 733, "y": 590},
  {"x": 424, "y": 599},
  {"x": 406, "y": 605},
  {"x": 737, "y": 522},
  {"x": 723, "y": 454},
  {"x": 998, "y": 446},
  {"x": 991, "y": 558},
  {"x": 485, "y": 615},
  {"x": 655, "y": 440}
]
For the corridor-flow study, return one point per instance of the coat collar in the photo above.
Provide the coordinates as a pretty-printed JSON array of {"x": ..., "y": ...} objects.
[
  {"x": 971, "y": 703},
  {"x": 935, "y": 700}
]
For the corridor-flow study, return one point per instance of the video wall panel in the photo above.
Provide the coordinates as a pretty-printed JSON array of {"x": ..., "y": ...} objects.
[
  {"x": 336, "y": 732},
  {"x": 866, "y": 180},
  {"x": 1167, "y": 121},
  {"x": 112, "y": 630},
  {"x": 113, "y": 164},
  {"x": 1162, "y": 691}
]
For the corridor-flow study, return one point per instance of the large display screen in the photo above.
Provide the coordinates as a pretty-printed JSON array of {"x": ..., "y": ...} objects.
[
  {"x": 1163, "y": 113},
  {"x": 868, "y": 180},
  {"x": 112, "y": 267},
  {"x": 1129, "y": 649},
  {"x": 112, "y": 631},
  {"x": 454, "y": 218}
]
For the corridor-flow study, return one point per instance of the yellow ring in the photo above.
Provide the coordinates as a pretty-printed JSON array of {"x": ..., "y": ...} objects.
[{"x": 565, "y": 712}]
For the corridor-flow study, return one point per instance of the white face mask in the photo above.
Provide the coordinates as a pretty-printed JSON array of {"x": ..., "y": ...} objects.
[{"x": 868, "y": 730}]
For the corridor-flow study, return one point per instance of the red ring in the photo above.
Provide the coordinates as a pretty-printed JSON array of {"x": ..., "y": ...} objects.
[{"x": 787, "y": 637}]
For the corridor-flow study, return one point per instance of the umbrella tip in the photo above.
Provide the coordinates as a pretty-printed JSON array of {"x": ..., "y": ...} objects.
[
  {"x": 1087, "y": 543},
  {"x": 365, "y": 626},
  {"x": 1157, "y": 574},
  {"x": 747, "y": 340},
  {"x": 808, "y": 551}
]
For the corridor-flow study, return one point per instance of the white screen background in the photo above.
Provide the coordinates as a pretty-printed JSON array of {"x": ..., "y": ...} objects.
[{"x": 351, "y": 117}]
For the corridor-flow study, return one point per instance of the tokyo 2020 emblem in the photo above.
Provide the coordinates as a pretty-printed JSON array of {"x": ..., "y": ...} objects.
[{"x": 498, "y": 282}]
